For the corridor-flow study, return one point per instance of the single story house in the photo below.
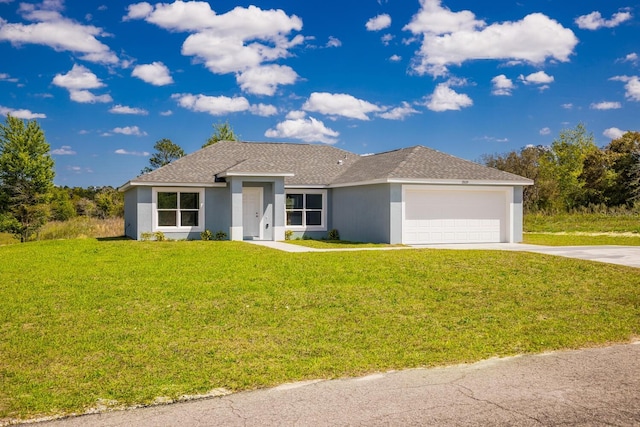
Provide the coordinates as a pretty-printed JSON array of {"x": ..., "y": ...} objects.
[{"x": 250, "y": 190}]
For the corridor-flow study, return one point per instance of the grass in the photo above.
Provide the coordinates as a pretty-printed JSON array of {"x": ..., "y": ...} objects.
[
  {"x": 89, "y": 322},
  {"x": 336, "y": 244},
  {"x": 82, "y": 227},
  {"x": 8, "y": 239},
  {"x": 75, "y": 228},
  {"x": 583, "y": 222}
]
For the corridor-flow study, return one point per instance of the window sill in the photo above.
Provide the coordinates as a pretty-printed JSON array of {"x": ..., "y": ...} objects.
[{"x": 302, "y": 228}]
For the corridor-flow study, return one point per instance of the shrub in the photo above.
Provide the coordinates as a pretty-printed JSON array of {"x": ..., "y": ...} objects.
[
  {"x": 220, "y": 235},
  {"x": 206, "y": 235},
  {"x": 288, "y": 234},
  {"x": 334, "y": 235},
  {"x": 158, "y": 236}
]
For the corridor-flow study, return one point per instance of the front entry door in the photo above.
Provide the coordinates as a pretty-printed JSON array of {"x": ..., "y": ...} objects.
[{"x": 252, "y": 212}]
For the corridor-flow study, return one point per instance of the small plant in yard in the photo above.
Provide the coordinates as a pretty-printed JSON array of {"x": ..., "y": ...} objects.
[
  {"x": 333, "y": 235},
  {"x": 206, "y": 235},
  {"x": 220, "y": 235},
  {"x": 288, "y": 234}
]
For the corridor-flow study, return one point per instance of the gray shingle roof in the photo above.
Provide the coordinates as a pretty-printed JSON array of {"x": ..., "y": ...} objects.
[
  {"x": 311, "y": 164},
  {"x": 421, "y": 163},
  {"x": 320, "y": 165}
]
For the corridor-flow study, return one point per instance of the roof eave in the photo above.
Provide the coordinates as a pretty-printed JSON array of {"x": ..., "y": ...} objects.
[
  {"x": 130, "y": 184},
  {"x": 269, "y": 174},
  {"x": 433, "y": 182}
]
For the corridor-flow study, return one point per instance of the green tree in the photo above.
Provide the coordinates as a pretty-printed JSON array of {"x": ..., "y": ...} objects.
[
  {"x": 622, "y": 152},
  {"x": 565, "y": 164},
  {"x": 26, "y": 176},
  {"x": 526, "y": 162},
  {"x": 62, "y": 208},
  {"x": 222, "y": 132},
  {"x": 109, "y": 203},
  {"x": 166, "y": 152}
]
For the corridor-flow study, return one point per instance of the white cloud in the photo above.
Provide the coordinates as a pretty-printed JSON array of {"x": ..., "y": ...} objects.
[
  {"x": 308, "y": 130},
  {"x": 631, "y": 57},
  {"x": 502, "y": 85},
  {"x": 632, "y": 86},
  {"x": 333, "y": 42},
  {"x": 86, "y": 97},
  {"x": 77, "y": 81},
  {"x": 65, "y": 150},
  {"x": 53, "y": 30},
  {"x": 613, "y": 133},
  {"x": 606, "y": 105},
  {"x": 594, "y": 20},
  {"x": 545, "y": 131},
  {"x": 395, "y": 58},
  {"x": 138, "y": 11},
  {"x": 7, "y": 78},
  {"x": 264, "y": 110},
  {"x": 132, "y": 153},
  {"x": 123, "y": 109},
  {"x": 79, "y": 77},
  {"x": 444, "y": 99},
  {"x": 129, "y": 130},
  {"x": 492, "y": 139},
  {"x": 214, "y": 105},
  {"x": 567, "y": 106},
  {"x": 379, "y": 22},
  {"x": 340, "y": 104},
  {"x": 539, "y": 78},
  {"x": 386, "y": 39},
  {"x": 399, "y": 113},
  {"x": 265, "y": 80},
  {"x": 166, "y": 113},
  {"x": 21, "y": 113},
  {"x": 451, "y": 38},
  {"x": 234, "y": 42},
  {"x": 296, "y": 114},
  {"x": 155, "y": 73}
]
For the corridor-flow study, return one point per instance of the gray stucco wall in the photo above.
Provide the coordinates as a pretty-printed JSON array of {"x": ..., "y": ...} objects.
[
  {"x": 363, "y": 213},
  {"x": 217, "y": 211},
  {"x": 518, "y": 220},
  {"x": 137, "y": 211},
  {"x": 131, "y": 213}
]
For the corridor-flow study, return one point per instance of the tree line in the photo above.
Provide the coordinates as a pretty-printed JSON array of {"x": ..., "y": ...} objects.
[
  {"x": 28, "y": 197},
  {"x": 574, "y": 173}
]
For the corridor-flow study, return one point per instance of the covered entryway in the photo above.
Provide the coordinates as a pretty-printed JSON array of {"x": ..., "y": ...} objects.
[
  {"x": 455, "y": 215},
  {"x": 252, "y": 212}
]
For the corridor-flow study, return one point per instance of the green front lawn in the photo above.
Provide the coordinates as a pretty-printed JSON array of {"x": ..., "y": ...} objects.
[
  {"x": 624, "y": 222},
  {"x": 86, "y": 322},
  {"x": 337, "y": 244}
]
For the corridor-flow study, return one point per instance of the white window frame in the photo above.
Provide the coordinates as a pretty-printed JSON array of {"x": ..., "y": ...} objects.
[
  {"x": 323, "y": 212},
  {"x": 178, "y": 228}
]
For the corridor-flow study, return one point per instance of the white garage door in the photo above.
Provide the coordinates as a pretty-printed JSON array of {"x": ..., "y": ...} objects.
[{"x": 442, "y": 216}]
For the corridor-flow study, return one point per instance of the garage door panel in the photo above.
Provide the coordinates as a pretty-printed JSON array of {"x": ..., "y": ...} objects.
[{"x": 433, "y": 216}]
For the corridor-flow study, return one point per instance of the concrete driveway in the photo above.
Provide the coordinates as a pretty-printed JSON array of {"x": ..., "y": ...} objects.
[{"x": 622, "y": 255}]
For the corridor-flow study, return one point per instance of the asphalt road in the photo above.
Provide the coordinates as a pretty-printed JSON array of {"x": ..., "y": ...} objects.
[{"x": 591, "y": 387}]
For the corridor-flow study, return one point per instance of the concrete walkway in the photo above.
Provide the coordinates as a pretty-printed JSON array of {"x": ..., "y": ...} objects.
[
  {"x": 589, "y": 387},
  {"x": 622, "y": 255}
]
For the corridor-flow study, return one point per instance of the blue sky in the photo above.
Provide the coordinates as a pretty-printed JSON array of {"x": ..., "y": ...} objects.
[{"x": 106, "y": 80}]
